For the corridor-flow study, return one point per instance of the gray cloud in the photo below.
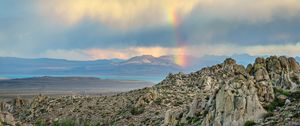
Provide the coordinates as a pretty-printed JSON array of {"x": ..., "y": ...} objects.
[{"x": 26, "y": 32}]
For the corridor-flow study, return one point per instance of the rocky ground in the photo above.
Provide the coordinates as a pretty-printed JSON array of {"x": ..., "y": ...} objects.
[{"x": 227, "y": 94}]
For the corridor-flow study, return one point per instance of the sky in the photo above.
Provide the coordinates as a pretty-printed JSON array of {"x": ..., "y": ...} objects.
[{"x": 106, "y": 29}]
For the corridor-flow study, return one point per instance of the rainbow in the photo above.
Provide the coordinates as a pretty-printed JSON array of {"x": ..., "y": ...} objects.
[{"x": 180, "y": 52}]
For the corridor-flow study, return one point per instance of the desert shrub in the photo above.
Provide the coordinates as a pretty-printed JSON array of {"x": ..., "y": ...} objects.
[
  {"x": 157, "y": 113},
  {"x": 137, "y": 110},
  {"x": 297, "y": 115},
  {"x": 64, "y": 123},
  {"x": 275, "y": 103},
  {"x": 282, "y": 91},
  {"x": 295, "y": 95},
  {"x": 192, "y": 119},
  {"x": 158, "y": 101},
  {"x": 178, "y": 103},
  {"x": 40, "y": 123},
  {"x": 269, "y": 114},
  {"x": 249, "y": 123}
]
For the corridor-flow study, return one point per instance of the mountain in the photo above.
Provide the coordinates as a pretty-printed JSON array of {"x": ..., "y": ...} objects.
[
  {"x": 136, "y": 66},
  {"x": 148, "y": 59},
  {"x": 142, "y": 65},
  {"x": 226, "y": 94}
]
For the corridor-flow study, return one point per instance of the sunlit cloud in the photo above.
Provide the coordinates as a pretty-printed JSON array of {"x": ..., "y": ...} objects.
[
  {"x": 287, "y": 49},
  {"x": 117, "y": 13},
  {"x": 97, "y": 53}
]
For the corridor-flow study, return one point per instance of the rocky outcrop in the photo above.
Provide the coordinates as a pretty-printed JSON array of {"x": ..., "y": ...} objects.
[
  {"x": 280, "y": 70},
  {"x": 234, "y": 104}
]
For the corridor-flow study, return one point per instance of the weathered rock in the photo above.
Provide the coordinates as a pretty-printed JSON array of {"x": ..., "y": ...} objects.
[
  {"x": 285, "y": 81},
  {"x": 249, "y": 69},
  {"x": 234, "y": 106},
  {"x": 261, "y": 75},
  {"x": 294, "y": 66},
  {"x": 7, "y": 119},
  {"x": 172, "y": 117},
  {"x": 284, "y": 63},
  {"x": 265, "y": 92},
  {"x": 229, "y": 61},
  {"x": 4, "y": 107},
  {"x": 281, "y": 97},
  {"x": 18, "y": 102}
]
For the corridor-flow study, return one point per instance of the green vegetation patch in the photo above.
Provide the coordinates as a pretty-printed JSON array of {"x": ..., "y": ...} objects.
[
  {"x": 137, "y": 110},
  {"x": 275, "y": 103},
  {"x": 249, "y": 123},
  {"x": 65, "y": 123},
  {"x": 282, "y": 91}
]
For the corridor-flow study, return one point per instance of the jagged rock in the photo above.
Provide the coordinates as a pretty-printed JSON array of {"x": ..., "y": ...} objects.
[
  {"x": 273, "y": 65},
  {"x": 18, "y": 102},
  {"x": 259, "y": 63},
  {"x": 240, "y": 69},
  {"x": 265, "y": 92},
  {"x": 285, "y": 81},
  {"x": 172, "y": 117},
  {"x": 281, "y": 70},
  {"x": 294, "y": 64},
  {"x": 261, "y": 74},
  {"x": 249, "y": 69},
  {"x": 284, "y": 63},
  {"x": 229, "y": 61},
  {"x": 4, "y": 107},
  {"x": 233, "y": 106},
  {"x": 193, "y": 108}
]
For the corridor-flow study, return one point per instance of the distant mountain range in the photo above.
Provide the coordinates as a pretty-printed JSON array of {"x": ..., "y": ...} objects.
[{"x": 139, "y": 65}]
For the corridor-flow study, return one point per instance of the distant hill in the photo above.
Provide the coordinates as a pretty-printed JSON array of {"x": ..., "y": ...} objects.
[
  {"x": 135, "y": 66},
  {"x": 142, "y": 65}
]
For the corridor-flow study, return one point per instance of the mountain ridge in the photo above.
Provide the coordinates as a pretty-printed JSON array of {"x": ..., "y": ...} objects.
[{"x": 155, "y": 66}]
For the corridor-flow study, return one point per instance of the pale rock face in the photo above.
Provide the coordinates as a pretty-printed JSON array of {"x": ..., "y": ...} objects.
[
  {"x": 285, "y": 82},
  {"x": 261, "y": 74},
  {"x": 18, "y": 102},
  {"x": 294, "y": 65},
  {"x": 7, "y": 119},
  {"x": 265, "y": 92},
  {"x": 284, "y": 63},
  {"x": 172, "y": 117},
  {"x": 234, "y": 106},
  {"x": 281, "y": 70},
  {"x": 4, "y": 107},
  {"x": 273, "y": 65}
]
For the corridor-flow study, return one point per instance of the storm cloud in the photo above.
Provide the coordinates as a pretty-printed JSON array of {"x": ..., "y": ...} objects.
[{"x": 78, "y": 29}]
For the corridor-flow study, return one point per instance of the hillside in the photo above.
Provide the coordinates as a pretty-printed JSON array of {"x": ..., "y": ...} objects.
[{"x": 227, "y": 94}]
